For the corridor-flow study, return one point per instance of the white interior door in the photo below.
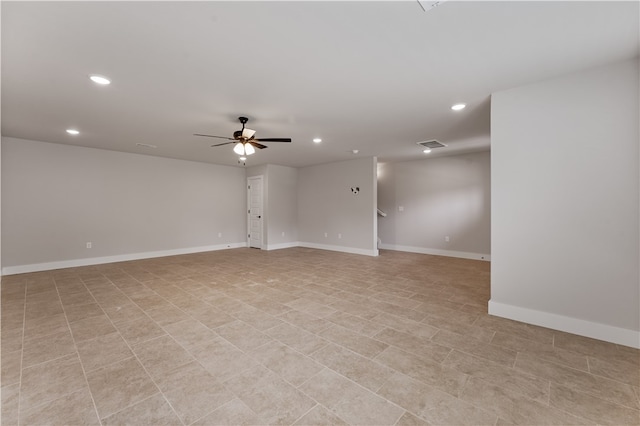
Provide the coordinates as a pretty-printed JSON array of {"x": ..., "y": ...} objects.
[{"x": 254, "y": 202}]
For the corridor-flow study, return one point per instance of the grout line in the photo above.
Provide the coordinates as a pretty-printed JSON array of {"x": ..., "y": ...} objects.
[{"x": 75, "y": 345}]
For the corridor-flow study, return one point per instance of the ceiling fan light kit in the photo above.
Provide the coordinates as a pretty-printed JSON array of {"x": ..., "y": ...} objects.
[{"x": 243, "y": 148}]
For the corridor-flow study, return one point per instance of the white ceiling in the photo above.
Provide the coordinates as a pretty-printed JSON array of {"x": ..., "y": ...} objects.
[{"x": 372, "y": 76}]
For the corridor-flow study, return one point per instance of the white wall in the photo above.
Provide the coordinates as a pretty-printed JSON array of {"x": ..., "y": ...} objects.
[
  {"x": 440, "y": 197},
  {"x": 282, "y": 206},
  {"x": 55, "y": 198},
  {"x": 565, "y": 203},
  {"x": 326, "y": 204}
]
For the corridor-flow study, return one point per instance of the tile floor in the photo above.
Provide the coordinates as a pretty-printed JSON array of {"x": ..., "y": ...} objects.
[{"x": 294, "y": 336}]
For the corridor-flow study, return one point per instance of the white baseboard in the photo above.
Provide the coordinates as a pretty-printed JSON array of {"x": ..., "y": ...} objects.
[
  {"x": 282, "y": 245},
  {"x": 437, "y": 252},
  {"x": 608, "y": 333},
  {"x": 48, "y": 266},
  {"x": 343, "y": 249}
]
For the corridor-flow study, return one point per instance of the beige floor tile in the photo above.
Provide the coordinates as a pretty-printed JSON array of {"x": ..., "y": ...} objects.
[
  {"x": 297, "y": 338},
  {"x": 11, "y": 340},
  {"x": 214, "y": 318},
  {"x": 44, "y": 308},
  {"x": 73, "y": 409},
  {"x": 424, "y": 370},
  {"x": 361, "y": 309},
  {"x": 355, "y": 323},
  {"x": 150, "y": 301},
  {"x": 475, "y": 347},
  {"x": 222, "y": 359},
  {"x": 166, "y": 315},
  {"x": 119, "y": 386},
  {"x": 79, "y": 312},
  {"x": 400, "y": 311},
  {"x": 288, "y": 364},
  {"x": 609, "y": 390},
  {"x": 161, "y": 355},
  {"x": 193, "y": 392},
  {"x": 412, "y": 344},
  {"x": 140, "y": 330},
  {"x": 235, "y": 412},
  {"x": 513, "y": 407},
  {"x": 517, "y": 329},
  {"x": 409, "y": 419},
  {"x": 591, "y": 407},
  {"x": 11, "y": 367},
  {"x": 361, "y": 370},
  {"x": 272, "y": 399},
  {"x": 43, "y": 296},
  {"x": 102, "y": 351},
  {"x": 47, "y": 348},
  {"x": 542, "y": 351},
  {"x": 43, "y": 326},
  {"x": 12, "y": 319},
  {"x": 92, "y": 327},
  {"x": 319, "y": 415},
  {"x": 349, "y": 401},
  {"x": 431, "y": 404},
  {"x": 77, "y": 295},
  {"x": 190, "y": 333},
  {"x": 586, "y": 346},
  {"x": 404, "y": 325},
  {"x": 305, "y": 321},
  {"x": 513, "y": 380},
  {"x": 243, "y": 336},
  {"x": 616, "y": 370},
  {"x": 358, "y": 343},
  {"x": 311, "y": 307},
  {"x": 269, "y": 306},
  {"x": 258, "y": 319},
  {"x": 405, "y": 302},
  {"x": 50, "y": 380},
  {"x": 10, "y": 404},
  {"x": 154, "y": 411},
  {"x": 123, "y": 313}
]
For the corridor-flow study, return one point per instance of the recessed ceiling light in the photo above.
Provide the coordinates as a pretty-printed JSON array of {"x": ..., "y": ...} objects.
[
  {"x": 355, "y": 151},
  {"x": 98, "y": 79},
  {"x": 426, "y": 151},
  {"x": 458, "y": 107},
  {"x": 73, "y": 132},
  {"x": 317, "y": 140}
]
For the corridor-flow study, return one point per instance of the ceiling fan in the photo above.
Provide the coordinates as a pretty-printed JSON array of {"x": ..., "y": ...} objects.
[{"x": 245, "y": 139}]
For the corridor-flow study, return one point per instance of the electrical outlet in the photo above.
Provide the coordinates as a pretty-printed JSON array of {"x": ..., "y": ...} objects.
[
  {"x": 283, "y": 233},
  {"x": 326, "y": 235},
  {"x": 219, "y": 234},
  {"x": 400, "y": 208},
  {"x": 446, "y": 238},
  {"x": 339, "y": 236},
  {"x": 89, "y": 244}
]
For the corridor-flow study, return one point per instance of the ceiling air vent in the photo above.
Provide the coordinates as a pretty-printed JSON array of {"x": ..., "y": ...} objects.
[{"x": 432, "y": 144}]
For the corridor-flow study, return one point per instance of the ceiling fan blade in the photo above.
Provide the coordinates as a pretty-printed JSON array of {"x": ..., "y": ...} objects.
[
  {"x": 220, "y": 144},
  {"x": 257, "y": 145},
  {"x": 273, "y": 140},
  {"x": 212, "y": 136}
]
